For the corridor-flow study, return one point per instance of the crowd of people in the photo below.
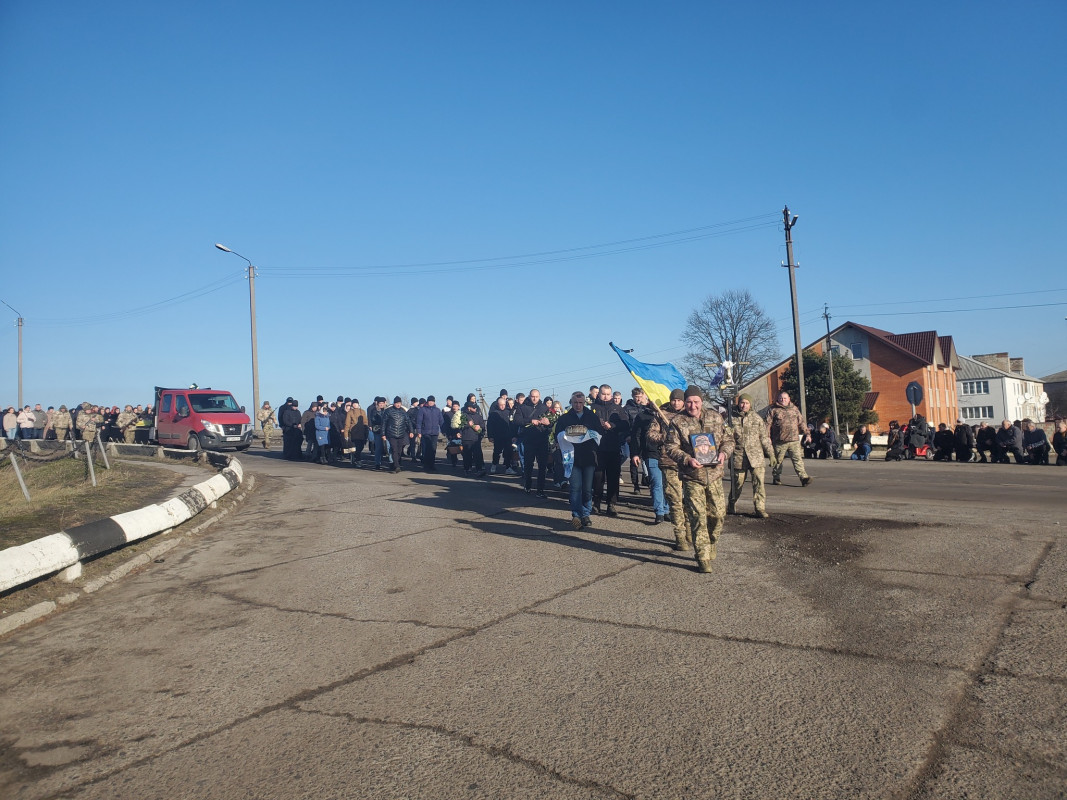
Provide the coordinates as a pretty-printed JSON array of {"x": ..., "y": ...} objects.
[
  {"x": 88, "y": 422},
  {"x": 1022, "y": 440},
  {"x": 676, "y": 451}
]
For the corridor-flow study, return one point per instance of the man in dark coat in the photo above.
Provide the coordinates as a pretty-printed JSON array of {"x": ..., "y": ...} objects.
[
  {"x": 535, "y": 427},
  {"x": 472, "y": 430},
  {"x": 498, "y": 429},
  {"x": 616, "y": 429},
  {"x": 944, "y": 443},
  {"x": 292, "y": 433},
  {"x": 428, "y": 426},
  {"x": 986, "y": 440},
  {"x": 397, "y": 430},
  {"x": 964, "y": 438}
]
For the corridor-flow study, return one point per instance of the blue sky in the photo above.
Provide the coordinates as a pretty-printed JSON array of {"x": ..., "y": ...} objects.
[{"x": 337, "y": 144}]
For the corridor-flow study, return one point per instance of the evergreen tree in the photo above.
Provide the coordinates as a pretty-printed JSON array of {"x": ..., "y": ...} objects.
[{"x": 849, "y": 384}]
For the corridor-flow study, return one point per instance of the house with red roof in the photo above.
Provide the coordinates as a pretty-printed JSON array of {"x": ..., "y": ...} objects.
[{"x": 890, "y": 361}]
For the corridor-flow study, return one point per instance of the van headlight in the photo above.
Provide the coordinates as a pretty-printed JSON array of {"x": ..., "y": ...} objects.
[{"x": 211, "y": 426}]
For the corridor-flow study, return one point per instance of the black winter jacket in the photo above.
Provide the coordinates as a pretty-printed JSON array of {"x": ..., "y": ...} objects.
[{"x": 395, "y": 423}]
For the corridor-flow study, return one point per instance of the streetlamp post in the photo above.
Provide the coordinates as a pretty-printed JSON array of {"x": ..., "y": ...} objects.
[{"x": 252, "y": 314}]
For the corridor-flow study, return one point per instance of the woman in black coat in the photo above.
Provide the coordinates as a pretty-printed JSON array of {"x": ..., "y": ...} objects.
[{"x": 472, "y": 429}]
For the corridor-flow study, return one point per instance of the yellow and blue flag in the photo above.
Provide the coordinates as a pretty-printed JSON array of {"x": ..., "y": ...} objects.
[{"x": 658, "y": 380}]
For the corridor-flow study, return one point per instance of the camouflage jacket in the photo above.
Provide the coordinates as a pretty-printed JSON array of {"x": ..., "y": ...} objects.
[
  {"x": 657, "y": 434},
  {"x": 61, "y": 419},
  {"x": 126, "y": 419},
  {"x": 88, "y": 421},
  {"x": 785, "y": 424},
  {"x": 266, "y": 417},
  {"x": 680, "y": 447},
  {"x": 751, "y": 440}
]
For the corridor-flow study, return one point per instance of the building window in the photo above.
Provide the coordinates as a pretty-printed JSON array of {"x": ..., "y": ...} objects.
[
  {"x": 976, "y": 387},
  {"x": 857, "y": 350},
  {"x": 977, "y": 412}
]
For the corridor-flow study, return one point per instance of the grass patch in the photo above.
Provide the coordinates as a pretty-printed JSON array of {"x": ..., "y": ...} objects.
[{"x": 62, "y": 495}]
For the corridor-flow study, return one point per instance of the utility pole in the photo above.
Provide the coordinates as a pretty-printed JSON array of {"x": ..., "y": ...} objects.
[
  {"x": 19, "y": 323},
  {"x": 789, "y": 223},
  {"x": 830, "y": 361}
]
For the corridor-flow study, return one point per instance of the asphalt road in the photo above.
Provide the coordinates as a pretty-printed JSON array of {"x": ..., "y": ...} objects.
[{"x": 894, "y": 631}]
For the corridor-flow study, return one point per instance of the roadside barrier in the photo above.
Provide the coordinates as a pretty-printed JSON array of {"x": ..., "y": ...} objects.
[{"x": 28, "y": 562}]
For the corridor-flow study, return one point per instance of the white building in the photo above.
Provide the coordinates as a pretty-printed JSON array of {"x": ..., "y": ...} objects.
[{"x": 994, "y": 387}]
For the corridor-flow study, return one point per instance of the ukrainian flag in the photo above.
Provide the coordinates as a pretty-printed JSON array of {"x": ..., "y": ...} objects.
[{"x": 656, "y": 379}]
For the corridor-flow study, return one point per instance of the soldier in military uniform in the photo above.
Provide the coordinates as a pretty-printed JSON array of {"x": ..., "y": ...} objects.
[
  {"x": 88, "y": 420},
  {"x": 701, "y": 482},
  {"x": 751, "y": 444},
  {"x": 62, "y": 423},
  {"x": 786, "y": 424},
  {"x": 672, "y": 484},
  {"x": 127, "y": 424},
  {"x": 265, "y": 415}
]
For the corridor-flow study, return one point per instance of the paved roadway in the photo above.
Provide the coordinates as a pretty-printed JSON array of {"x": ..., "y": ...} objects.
[{"x": 895, "y": 631}]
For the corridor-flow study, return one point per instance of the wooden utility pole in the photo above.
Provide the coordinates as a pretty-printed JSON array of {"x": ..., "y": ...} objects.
[
  {"x": 789, "y": 223},
  {"x": 830, "y": 361}
]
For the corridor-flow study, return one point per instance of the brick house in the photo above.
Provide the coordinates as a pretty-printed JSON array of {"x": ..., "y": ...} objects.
[{"x": 890, "y": 361}]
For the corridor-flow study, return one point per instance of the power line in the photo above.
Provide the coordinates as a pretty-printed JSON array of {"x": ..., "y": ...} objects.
[
  {"x": 961, "y": 310},
  {"x": 532, "y": 259},
  {"x": 192, "y": 294},
  {"x": 950, "y": 299}
]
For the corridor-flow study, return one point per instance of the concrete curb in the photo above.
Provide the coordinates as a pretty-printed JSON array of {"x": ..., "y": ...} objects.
[{"x": 28, "y": 562}]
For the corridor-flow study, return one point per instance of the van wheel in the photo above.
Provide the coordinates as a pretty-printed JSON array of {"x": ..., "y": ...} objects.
[
  {"x": 243, "y": 447},
  {"x": 194, "y": 443}
]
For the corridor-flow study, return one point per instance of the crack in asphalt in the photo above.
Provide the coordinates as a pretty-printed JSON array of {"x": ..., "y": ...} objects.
[
  {"x": 331, "y": 614},
  {"x": 811, "y": 648},
  {"x": 469, "y": 740},
  {"x": 963, "y": 707},
  {"x": 307, "y": 695}
]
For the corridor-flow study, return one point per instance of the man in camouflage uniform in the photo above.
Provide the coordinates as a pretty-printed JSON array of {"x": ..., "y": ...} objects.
[
  {"x": 265, "y": 415},
  {"x": 62, "y": 423},
  {"x": 672, "y": 484},
  {"x": 88, "y": 420},
  {"x": 701, "y": 484},
  {"x": 127, "y": 424},
  {"x": 786, "y": 424},
  {"x": 751, "y": 444}
]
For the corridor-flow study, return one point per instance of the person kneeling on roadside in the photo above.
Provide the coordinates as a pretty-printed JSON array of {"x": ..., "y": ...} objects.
[
  {"x": 861, "y": 444},
  {"x": 828, "y": 447}
]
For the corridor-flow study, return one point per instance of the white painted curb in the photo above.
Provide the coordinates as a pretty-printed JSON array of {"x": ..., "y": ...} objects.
[{"x": 28, "y": 562}]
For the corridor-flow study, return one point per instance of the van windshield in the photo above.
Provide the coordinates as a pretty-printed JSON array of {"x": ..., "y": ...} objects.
[{"x": 214, "y": 403}]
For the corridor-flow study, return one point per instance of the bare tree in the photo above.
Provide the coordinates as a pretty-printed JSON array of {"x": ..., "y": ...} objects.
[{"x": 736, "y": 318}]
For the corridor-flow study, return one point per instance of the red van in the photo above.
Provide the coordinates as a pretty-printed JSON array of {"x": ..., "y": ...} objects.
[{"x": 201, "y": 418}]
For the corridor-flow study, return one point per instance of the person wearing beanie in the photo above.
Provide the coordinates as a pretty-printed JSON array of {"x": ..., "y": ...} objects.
[
  {"x": 672, "y": 483},
  {"x": 751, "y": 444},
  {"x": 698, "y": 443}
]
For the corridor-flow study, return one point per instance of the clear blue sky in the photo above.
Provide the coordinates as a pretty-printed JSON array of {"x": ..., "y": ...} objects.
[{"x": 333, "y": 143}]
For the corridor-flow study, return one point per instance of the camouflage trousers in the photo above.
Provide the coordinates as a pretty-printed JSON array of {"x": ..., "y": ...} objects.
[
  {"x": 672, "y": 490},
  {"x": 705, "y": 506},
  {"x": 89, "y": 435},
  {"x": 795, "y": 451},
  {"x": 61, "y": 433},
  {"x": 759, "y": 494},
  {"x": 129, "y": 435},
  {"x": 268, "y": 429}
]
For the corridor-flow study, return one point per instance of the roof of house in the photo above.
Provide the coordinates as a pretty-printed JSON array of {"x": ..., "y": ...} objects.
[
  {"x": 1056, "y": 377},
  {"x": 925, "y": 347},
  {"x": 970, "y": 370}
]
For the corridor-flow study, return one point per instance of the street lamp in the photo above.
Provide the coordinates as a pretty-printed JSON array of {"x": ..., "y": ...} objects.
[{"x": 252, "y": 314}]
